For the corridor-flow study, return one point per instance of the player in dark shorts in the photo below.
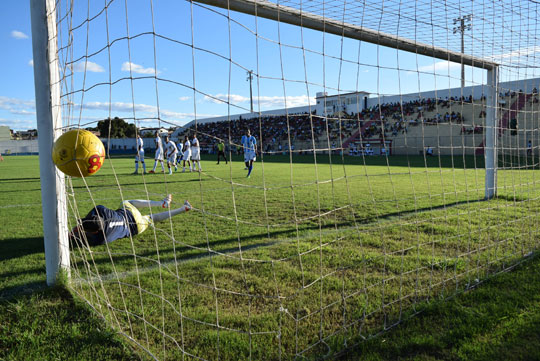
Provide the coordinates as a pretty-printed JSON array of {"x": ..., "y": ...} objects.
[
  {"x": 103, "y": 225},
  {"x": 221, "y": 152}
]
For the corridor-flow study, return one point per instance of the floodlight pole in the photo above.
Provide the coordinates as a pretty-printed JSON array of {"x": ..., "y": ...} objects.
[
  {"x": 49, "y": 122},
  {"x": 250, "y": 79},
  {"x": 490, "y": 147},
  {"x": 464, "y": 23}
]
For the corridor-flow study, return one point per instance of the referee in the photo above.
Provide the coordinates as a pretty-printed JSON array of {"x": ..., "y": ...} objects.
[{"x": 221, "y": 151}]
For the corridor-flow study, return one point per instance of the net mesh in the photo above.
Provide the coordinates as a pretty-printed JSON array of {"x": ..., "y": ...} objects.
[{"x": 366, "y": 201}]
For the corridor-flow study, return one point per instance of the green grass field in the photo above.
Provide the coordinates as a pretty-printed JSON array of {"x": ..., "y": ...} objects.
[{"x": 300, "y": 260}]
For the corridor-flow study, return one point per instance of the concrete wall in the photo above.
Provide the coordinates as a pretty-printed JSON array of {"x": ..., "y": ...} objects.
[
  {"x": 18, "y": 147},
  {"x": 127, "y": 144}
]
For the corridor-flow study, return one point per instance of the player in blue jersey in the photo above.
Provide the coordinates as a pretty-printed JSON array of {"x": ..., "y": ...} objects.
[
  {"x": 249, "y": 143},
  {"x": 103, "y": 225}
]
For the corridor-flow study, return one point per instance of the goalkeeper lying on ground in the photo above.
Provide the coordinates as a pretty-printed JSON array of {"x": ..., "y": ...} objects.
[{"x": 102, "y": 224}]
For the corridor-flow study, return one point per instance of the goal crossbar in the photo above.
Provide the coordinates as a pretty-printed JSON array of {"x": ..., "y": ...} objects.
[{"x": 289, "y": 15}]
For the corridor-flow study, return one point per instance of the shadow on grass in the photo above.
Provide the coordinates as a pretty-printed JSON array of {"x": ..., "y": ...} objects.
[
  {"x": 16, "y": 248},
  {"x": 198, "y": 250},
  {"x": 18, "y": 180},
  {"x": 50, "y": 324},
  {"x": 22, "y": 289},
  {"x": 20, "y": 247},
  {"x": 147, "y": 181},
  {"x": 412, "y": 160},
  {"x": 500, "y": 320}
]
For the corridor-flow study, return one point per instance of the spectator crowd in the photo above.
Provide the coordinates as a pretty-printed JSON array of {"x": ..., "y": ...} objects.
[{"x": 380, "y": 121}]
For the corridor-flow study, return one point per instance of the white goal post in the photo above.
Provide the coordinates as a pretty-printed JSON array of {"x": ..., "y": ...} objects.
[{"x": 49, "y": 121}]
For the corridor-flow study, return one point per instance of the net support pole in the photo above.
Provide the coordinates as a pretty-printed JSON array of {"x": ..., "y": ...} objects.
[
  {"x": 49, "y": 123},
  {"x": 490, "y": 147}
]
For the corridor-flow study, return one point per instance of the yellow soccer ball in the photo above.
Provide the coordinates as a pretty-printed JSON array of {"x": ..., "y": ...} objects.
[{"x": 78, "y": 153}]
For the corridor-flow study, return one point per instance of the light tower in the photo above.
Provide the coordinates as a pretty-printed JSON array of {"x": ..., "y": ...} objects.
[
  {"x": 461, "y": 24},
  {"x": 250, "y": 79}
]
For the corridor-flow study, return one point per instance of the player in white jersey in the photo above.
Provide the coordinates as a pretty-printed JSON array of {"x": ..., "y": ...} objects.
[
  {"x": 172, "y": 152},
  {"x": 249, "y": 143},
  {"x": 180, "y": 155},
  {"x": 139, "y": 157},
  {"x": 195, "y": 153},
  {"x": 159, "y": 154},
  {"x": 187, "y": 154}
]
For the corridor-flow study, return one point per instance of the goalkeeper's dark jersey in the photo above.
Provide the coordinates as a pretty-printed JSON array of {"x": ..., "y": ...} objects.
[{"x": 116, "y": 224}]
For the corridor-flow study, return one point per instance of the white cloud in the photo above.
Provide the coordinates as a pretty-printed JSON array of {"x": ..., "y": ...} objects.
[
  {"x": 439, "y": 66},
  {"x": 515, "y": 54},
  {"x": 18, "y": 35},
  {"x": 119, "y": 107},
  {"x": 22, "y": 112},
  {"x": 139, "y": 69},
  {"x": 17, "y": 106},
  {"x": 19, "y": 124},
  {"x": 88, "y": 66},
  {"x": 264, "y": 101},
  {"x": 122, "y": 107},
  {"x": 184, "y": 98},
  {"x": 31, "y": 62}
]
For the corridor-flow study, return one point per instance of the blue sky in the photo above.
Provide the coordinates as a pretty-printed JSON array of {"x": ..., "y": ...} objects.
[{"x": 290, "y": 64}]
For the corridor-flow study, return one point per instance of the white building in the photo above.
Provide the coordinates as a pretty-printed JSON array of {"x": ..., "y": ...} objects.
[
  {"x": 350, "y": 103},
  {"x": 5, "y": 133}
]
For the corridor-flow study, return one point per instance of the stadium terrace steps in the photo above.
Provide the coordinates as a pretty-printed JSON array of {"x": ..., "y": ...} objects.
[
  {"x": 456, "y": 138},
  {"x": 419, "y": 135},
  {"x": 356, "y": 135},
  {"x": 513, "y": 112}
]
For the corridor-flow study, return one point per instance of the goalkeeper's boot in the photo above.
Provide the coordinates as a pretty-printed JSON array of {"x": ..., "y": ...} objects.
[
  {"x": 167, "y": 201},
  {"x": 187, "y": 205}
]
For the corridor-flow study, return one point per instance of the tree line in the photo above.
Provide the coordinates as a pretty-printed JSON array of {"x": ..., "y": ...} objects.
[{"x": 118, "y": 128}]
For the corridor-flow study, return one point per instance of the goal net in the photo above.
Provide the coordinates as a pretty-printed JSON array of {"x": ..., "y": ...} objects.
[{"x": 396, "y": 164}]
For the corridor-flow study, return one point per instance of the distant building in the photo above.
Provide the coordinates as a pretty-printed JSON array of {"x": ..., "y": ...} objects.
[
  {"x": 149, "y": 132},
  {"x": 5, "y": 133},
  {"x": 349, "y": 103},
  {"x": 27, "y": 134}
]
